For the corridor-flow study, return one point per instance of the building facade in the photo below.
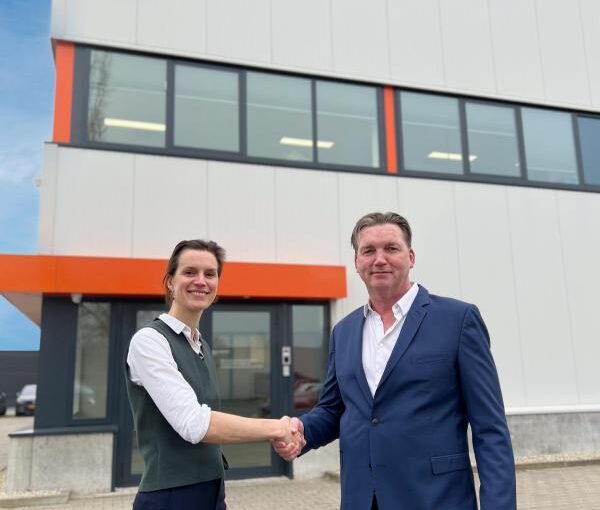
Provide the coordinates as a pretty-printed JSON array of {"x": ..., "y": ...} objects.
[{"x": 270, "y": 127}]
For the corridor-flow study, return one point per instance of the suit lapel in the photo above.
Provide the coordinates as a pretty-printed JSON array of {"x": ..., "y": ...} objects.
[
  {"x": 356, "y": 357},
  {"x": 413, "y": 320}
]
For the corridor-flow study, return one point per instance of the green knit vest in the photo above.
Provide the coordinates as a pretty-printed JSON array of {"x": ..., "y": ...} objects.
[{"x": 169, "y": 460}]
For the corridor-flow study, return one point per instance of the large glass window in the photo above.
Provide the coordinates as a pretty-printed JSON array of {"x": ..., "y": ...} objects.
[
  {"x": 91, "y": 361},
  {"x": 589, "y": 135},
  {"x": 279, "y": 117},
  {"x": 347, "y": 124},
  {"x": 431, "y": 137},
  {"x": 549, "y": 146},
  {"x": 310, "y": 354},
  {"x": 127, "y": 99},
  {"x": 492, "y": 136},
  {"x": 206, "y": 108}
]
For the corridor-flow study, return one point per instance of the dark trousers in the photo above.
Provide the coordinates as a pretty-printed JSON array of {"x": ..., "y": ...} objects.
[{"x": 199, "y": 496}]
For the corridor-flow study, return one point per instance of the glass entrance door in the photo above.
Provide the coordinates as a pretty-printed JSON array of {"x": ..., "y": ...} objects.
[{"x": 244, "y": 348}]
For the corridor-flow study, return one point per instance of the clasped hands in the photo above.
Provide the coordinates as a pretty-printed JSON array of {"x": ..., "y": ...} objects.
[{"x": 291, "y": 440}]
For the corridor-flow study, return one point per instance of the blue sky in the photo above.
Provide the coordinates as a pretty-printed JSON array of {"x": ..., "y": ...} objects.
[{"x": 26, "y": 104}]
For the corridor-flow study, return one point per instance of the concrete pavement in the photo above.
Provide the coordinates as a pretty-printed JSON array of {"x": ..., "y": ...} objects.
[{"x": 557, "y": 488}]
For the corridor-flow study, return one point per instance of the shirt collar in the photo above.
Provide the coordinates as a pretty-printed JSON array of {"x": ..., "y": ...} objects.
[
  {"x": 177, "y": 326},
  {"x": 400, "y": 307}
]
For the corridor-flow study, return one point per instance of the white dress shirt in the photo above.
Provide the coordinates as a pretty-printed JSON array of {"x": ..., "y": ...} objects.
[
  {"x": 152, "y": 366},
  {"x": 377, "y": 344}
]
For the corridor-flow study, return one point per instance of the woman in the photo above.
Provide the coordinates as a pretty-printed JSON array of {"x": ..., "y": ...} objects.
[{"x": 172, "y": 388}]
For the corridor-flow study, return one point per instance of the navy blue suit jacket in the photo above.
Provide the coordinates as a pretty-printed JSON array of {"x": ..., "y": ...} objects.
[{"x": 408, "y": 443}]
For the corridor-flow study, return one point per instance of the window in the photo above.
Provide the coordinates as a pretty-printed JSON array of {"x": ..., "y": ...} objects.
[
  {"x": 431, "y": 138},
  {"x": 589, "y": 134},
  {"x": 127, "y": 99},
  {"x": 347, "y": 124},
  {"x": 206, "y": 108},
  {"x": 279, "y": 117},
  {"x": 91, "y": 361},
  {"x": 310, "y": 354},
  {"x": 549, "y": 146},
  {"x": 492, "y": 136}
]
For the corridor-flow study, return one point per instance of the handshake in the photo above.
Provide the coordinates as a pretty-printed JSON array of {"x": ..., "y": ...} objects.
[{"x": 289, "y": 441}]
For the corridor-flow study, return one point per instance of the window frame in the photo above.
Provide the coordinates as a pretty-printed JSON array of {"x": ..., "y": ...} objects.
[{"x": 79, "y": 137}]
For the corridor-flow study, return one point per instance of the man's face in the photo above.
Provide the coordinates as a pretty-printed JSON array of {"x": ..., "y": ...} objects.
[{"x": 383, "y": 260}]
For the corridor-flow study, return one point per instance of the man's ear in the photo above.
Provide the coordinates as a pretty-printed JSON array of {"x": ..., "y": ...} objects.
[{"x": 411, "y": 255}]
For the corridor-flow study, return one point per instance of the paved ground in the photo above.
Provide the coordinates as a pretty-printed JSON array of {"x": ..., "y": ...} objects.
[{"x": 557, "y": 488}]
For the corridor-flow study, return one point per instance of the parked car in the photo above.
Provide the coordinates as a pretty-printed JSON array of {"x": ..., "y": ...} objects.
[
  {"x": 2, "y": 403},
  {"x": 26, "y": 400}
]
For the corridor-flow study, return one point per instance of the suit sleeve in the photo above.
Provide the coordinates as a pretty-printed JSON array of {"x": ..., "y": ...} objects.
[
  {"x": 485, "y": 411},
  {"x": 322, "y": 423}
]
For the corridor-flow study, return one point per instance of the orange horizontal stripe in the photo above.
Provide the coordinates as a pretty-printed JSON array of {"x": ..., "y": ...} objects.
[
  {"x": 103, "y": 276},
  {"x": 64, "y": 57}
]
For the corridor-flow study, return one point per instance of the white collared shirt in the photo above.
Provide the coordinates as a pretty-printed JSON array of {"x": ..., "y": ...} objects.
[
  {"x": 152, "y": 366},
  {"x": 377, "y": 344}
]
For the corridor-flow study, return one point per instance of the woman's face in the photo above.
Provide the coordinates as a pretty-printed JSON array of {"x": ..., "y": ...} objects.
[{"x": 194, "y": 285}]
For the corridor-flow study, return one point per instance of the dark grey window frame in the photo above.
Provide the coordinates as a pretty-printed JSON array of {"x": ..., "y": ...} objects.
[
  {"x": 79, "y": 135},
  {"x": 79, "y": 127},
  {"x": 468, "y": 176}
]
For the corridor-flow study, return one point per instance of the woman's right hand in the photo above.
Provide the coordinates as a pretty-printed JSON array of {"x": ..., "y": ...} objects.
[{"x": 291, "y": 440}]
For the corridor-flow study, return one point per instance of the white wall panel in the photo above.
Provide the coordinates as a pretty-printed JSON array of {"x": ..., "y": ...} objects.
[
  {"x": 563, "y": 52},
  {"x": 173, "y": 26},
  {"x": 579, "y": 215},
  {"x": 241, "y": 210},
  {"x": 359, "y": 195},
  {"x": 360, "y": 38},
  {"x": 429, "y": 207},
  {"x": 307, "y": 217},
  {"x": 487, "y": 277},
  {"x": 467, "y": 44},
  {"x": 416, "y": 53},
  {"x": 58, "y": 18},
  {"x": 590, "y": 19},
  {"x": 48, "y": 199},
  {"x": 541, "y": 297},
  {"x": 301, "y": 34},
  {"x": 516, "y": 50},
  {"x": 239, "y": 29},
  {"x": 170, "y": 204},
  {"x": 108, "y": 20},
  {"x": 94, "y": 202}
]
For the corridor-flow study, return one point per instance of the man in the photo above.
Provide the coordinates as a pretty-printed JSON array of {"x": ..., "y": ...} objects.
[{"x": 407, "y": 373}]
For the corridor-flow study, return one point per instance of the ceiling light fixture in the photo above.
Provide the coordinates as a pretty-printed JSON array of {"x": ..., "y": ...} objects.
[
  {"x": 452, "y": 156},
  {"x": 134, "y": 124},
  {"x": 305, "y": 142}
]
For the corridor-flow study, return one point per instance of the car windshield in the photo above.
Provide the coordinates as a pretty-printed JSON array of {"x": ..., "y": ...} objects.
[{"x": 28, "y": 390}]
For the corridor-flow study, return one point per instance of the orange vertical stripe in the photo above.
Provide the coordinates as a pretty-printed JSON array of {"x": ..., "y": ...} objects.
[
  {"x": 64, "y": 56},
  {"x": 390, "y": 129}
]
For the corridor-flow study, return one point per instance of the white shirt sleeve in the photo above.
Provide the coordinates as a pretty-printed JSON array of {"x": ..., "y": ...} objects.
[{"x": 152, "y": 366}]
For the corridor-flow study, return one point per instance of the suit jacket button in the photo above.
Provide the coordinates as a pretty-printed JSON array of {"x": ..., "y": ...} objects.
[{"x": 375, "y": 421}]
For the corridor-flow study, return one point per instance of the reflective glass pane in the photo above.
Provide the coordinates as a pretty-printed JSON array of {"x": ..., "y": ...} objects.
[
  {"x": 310, "y": 354},
  {"x": 206, "y": 109},
  {"x": 492, "y": 135},
  {"x": 589, "y": 135},
  {"x": 279, "y": 117},
  {"x": 347, "y": 124},
  {"x": 549, "y": 146},
  {"x": 127, "y": 99},
  {"x": 431, "y": 137},
  {"x": 91, "y": 361},
  {"x": 242, "y": 353}
]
